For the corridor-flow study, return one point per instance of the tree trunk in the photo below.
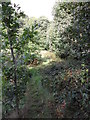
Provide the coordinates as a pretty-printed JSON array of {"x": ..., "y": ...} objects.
[
  {"x": 50, "y": 45},
  {"x": 15, "y": 73}
]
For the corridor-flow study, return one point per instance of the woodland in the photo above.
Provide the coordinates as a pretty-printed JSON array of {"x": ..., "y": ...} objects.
[{"x": 45, "y": 64}]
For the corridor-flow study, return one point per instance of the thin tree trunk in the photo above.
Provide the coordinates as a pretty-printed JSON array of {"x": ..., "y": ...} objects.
[
  {"x": 15, "y": 73},
  {"x": 50, "y": 45}
]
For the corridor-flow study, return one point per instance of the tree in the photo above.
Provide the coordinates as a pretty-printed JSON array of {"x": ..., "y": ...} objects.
[
  {"x": 71, "y": 24},
  {"x": 11, "y": 25},
  {"x": 50, "y": 38},
  {"x": 43, "y": 23}
]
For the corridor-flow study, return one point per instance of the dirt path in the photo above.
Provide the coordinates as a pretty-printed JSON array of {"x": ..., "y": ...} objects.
[{"x": 49, "y": 55}]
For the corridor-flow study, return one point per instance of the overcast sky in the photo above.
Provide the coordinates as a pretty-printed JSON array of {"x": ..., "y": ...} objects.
[{"x": 36, "y": 8}]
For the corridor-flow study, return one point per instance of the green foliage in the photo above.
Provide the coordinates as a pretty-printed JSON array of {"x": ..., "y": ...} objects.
[
  {"x": 42, "y": 27},
  {"x": 15, "y": 76},
  {"x": 69, "y": 81},
  {"x": 71, "y": 28},
  {"x": 10, "y": 21},
  {"x": 8, "y": 87}
]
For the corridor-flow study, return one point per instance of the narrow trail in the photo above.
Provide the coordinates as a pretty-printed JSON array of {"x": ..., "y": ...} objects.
[
  {"x": 39, "y": 102},
  {"x": 36, "y": 105}
]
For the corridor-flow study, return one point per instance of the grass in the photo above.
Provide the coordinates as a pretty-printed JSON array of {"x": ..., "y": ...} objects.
[
  {"x": 38, "y": 95},
  {"x": 36, "y": 79}
]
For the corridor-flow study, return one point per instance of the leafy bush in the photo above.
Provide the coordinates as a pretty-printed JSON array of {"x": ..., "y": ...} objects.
[
  {"x": 68, "y": 82},
  {"x": 8, "y": 88}
]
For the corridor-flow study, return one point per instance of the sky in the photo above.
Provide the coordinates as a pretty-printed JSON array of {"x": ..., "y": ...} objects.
[{"x": 36, "y": 8}]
